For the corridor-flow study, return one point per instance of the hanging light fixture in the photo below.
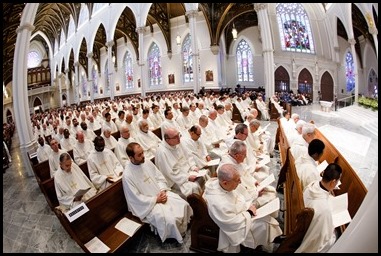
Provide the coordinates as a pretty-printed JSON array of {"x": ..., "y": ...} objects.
[
  {"x": 178, "y": 37},
  {"x": 234, "y": 32}
]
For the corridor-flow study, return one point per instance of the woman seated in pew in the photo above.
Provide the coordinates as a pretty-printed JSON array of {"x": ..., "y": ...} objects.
[
  {"x": 320, "y": 235},
  {"x": 68, "y": 180}
]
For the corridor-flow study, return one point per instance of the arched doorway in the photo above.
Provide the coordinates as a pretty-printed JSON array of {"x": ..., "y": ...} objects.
[
  {"x": 37, "y": 105},
  {"x": 9, "y": 116},
  {"x": 305, "y": 84},
  {"x": 372, "y": 84},
  {"x": 64, "y": 100},
  {"x": 282, "y": 80},
  {"x": 326, "y": 87}
]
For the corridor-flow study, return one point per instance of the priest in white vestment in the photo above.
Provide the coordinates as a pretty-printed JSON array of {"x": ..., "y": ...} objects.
[
  {"x": 147, "y": 139},
  {"x": 236, "y": 156},
  {"x": 43, "y": 150},
  {"x": 120, "y": 149},
  {"x": 172, "y": 161},
  {"x": 215, "y": 147},
  {"x": 82, "y": 148},
  {"x": 110, "y": 141},
  {"x": 233, "y": 214},
  {"x": 54, "y": 158},
  {"x": 169, "y": 121},
  {"x": 300, "y": 145},
  {"x": 103, "y": 165},
  {"x": 306, "y": 165},
  {"x": 149, "y": 197},
  {"x": 68, "y": 179},
  {"x": 320, "y": 235}
]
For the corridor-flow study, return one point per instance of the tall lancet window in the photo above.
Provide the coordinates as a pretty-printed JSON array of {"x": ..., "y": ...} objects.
[
  {"x": 187, "y": 54},
  {"x": 294, "y": 28},
  {"x": 94, "y": 78},
  {"x": 128, "y": 71},
  {"x": 349, "y": 72},
  {"x": 84, "y": 85},
  {"x": 245, "y": 66},
  {"x": 154, "y": 62}
]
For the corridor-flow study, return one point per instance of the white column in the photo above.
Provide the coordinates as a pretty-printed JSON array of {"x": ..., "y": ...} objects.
[
  {"x": 67, "y": 81},
  {"x": 20, "y": 96},
  {"x": 143, "y": 75},
  {"x": 76, "y": 84},
  {"x": 192, "y": 26},
  {"x": 89, "y": 77},
  {"x": 111, "y": 69},
  {"x": 267, "y": 48},
  {"x": 59, "y": 77},
  {"x": 352, "y": 41}
]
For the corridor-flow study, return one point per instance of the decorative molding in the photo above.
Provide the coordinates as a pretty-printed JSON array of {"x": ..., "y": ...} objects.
[
  {"x": 260, "y": 6},
  {"x": 191, "y": 13},
  {"x": 90, "y": 55},
  {"x": 352, "y": 41},
  {"x": 140, "y": 30},
  {"x": 26, "y": 26},
  {"x": 110, "y": 43},
  {"x": 215, "y": 49}
]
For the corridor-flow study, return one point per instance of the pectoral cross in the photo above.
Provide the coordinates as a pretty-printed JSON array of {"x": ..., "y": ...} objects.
[
  {"x": 73, "y": 185},
  {"x": 146, "y": 179}
]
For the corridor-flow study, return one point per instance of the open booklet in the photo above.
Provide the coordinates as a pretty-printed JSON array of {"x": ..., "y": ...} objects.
[
  {"x": 262, "y": 130},
  {"x": 264, "y": 183},
  {"x": 213, "y": 162},
  {"x": 200, "y": 173},
  {"x": 116, "y": 178},
  {"x": 81, "y": 192},
  {"x": 339, "y": 206},
  {"x": 267, "y": 209}
]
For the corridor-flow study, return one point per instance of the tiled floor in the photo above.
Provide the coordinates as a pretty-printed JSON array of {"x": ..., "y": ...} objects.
[{"x": 30, "y": 226}]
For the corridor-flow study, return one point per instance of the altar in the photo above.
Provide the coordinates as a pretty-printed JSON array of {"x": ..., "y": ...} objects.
[{"x": 326, "y": 106}]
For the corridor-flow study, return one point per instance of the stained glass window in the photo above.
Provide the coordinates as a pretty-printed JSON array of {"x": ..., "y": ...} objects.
[
  {"x": 84, "y": 85},
  {"x": 373, "y": 84},
  {"x": 187, "y": 59},
  {"x": 94, "y": 76},
  {"x": 128, "y": 71},
  {"x": 349, "y": 72},
  {"x": 34, "y": 59},
  {"x": 155, "y": 75},
  {"x": 294, "y": 28},
  {"x": 245, "y": 66}
]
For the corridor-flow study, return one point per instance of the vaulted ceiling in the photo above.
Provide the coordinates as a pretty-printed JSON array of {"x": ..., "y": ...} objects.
[{"x": 220, "y": 17}]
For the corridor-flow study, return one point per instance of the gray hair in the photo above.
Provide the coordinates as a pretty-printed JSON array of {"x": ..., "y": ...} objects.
[
  {"x": 237, "y": 147},
  {"x": 308, "y": 128},
  {"x": 226, "y": 172}
]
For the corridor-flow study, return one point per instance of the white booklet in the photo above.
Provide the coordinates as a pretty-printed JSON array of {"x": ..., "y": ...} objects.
[
  {"x": 321, "y": 167},
  {"x": 339, "y": 206},
  {"x": 81, "y": 192},
  {"x": 200, "y": 173},
  {"x": 116, "y": 178},
  {"x": 128, "y": 226},
  {"x": 267, "y": 209},
  {"x": 213, "y": 162},
  {"x": 265, "y": 160},
  {"x": 95, "y": 245},
  {"x": 264, "y": 183}
]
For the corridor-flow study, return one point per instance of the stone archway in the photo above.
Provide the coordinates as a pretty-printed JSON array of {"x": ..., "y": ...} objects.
[{"x": 326, "y": 87}]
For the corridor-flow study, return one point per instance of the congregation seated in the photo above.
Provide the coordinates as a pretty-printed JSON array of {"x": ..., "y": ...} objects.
[
  {"x": 147, "y": 139},
  {"x": 110, "y": 141},
  {"x": 43, "y": 150},
  {"x": 150, "y": 198},
  {"x": 54, "y": 158},
  {"x": 123, "y": 141}
]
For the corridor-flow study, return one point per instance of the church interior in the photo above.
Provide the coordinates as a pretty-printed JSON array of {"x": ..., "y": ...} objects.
[{"x": 67, "y": 56}]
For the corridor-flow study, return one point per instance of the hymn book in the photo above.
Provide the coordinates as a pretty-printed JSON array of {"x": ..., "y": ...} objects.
[
  {"x": 200, "y": 173},
  {"x": 264, "y": 183},
  {"x": 81, "y": 192},
  {"x": 339, "y": 206}
]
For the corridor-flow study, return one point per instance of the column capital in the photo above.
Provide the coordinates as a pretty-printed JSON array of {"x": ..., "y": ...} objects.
[
  {"x": 90, "y": 55},
  {"x": 140, "y": 30},
  {"x": 373, "y": 30},
  {"x": 67, "y": 70},
  {"x": 191, "y": 13},
  {"x": 260, "y": 6},
  {"x": 27, "y": 26},
  {"x": 110, "y": 43},
  {"x": 76, "y": 64},
  {"x": 352, "y": 41}
]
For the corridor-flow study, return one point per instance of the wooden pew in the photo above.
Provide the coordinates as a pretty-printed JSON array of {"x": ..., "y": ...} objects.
[
  {"x": 274, "y": 114},
  {"x": 157, "y": 132},
  {"x": 116, "y": 135},
  {"x": 41, "y": 171},
  {"x": 106, "y": 209},
  {"x": 236, "y": 115},
  {"x": 297, "y": 217},
  {"x": 204, "y": 231},
  {"x": 49, "y": 191},
  {"x": 98, "y": 132},
  {"x": 85, "y": 169}
]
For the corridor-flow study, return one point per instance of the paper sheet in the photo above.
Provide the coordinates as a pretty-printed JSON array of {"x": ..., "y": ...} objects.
[
  {"x": 200, "y": 173},
  {"x": 264, "y": 183},
  {"x": 81, "y": 192},
  {"x": 213, "y": 162},
  {"x": 339, "y": 206},
  {"x": 95, "y": 245},
  {"x": 267, "y": 209},
  {"x": 127, "y": 226}
]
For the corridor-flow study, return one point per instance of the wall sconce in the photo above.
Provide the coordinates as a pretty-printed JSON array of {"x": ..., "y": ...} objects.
[{"x": 234, "y": 32}]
